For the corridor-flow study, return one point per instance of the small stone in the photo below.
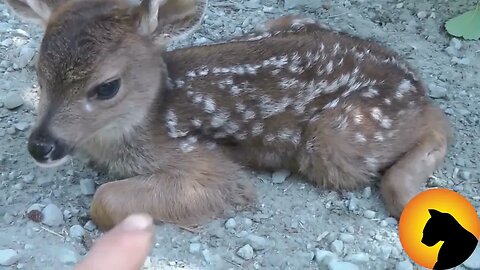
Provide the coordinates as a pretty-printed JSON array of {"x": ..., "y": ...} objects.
[
  {"x": 25, "y": 55},
  {"x": 67, "y": 214},
  {"x": 385, "y": 251},
  {"x": 337, "y": 247},
  {"x": 456, "y": 43},
  {"x": 422, "y": 14},
  {"x": 230, "y": 224},
  {"x": 461, "y": 61},
  {"x": 13, "y": 101},
  {"x": 248, "y": 222},
  {"x": 68, "y": 257},
  {"x": 324, "y": 256},
  {"x": 11, "y": 130},
  {"x": 44, "y": 181},
  {"x": 87, "y": 186},
  {"x": 399, "y": 5},
  {"x": 194, "y": 248},
  {"x": 8, "y": 218},
  {"x": 246, "y": 252},
  {"x": 367, "y": 192},
  {"x": 258, "y": 242},
  {"x": 52, "y": 215},
  {"x": 451, "y": 51},
  {"x": 465, "y": 175},
  {"x": 437, "y": 91},
  {"x": 358, "y": 257},
  {"x": 22, "y": 126},
  {"x": 18, "y": 186},
  {"x": 28, "y": 178},
  {"x": 29, "y": 246},
  {"x": 8, "y": 257},
  {"x": 473, "y": 262},
  {"x": 369, "y": 214},
  {"x": 338, "y": 265},
  {"x": 391, "y": 221},
  {"x": 90, "y": 226},
  {"x": 353, "y": 204},
  {"x": 347, "y": 238},
  {"x": 77, "y": 231},
  {"x": 404, "y": 265},
  {"x": 279, "y": 177}
]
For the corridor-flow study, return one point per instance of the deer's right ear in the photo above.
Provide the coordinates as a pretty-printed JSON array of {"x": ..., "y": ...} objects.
[{"x": 36, "y": 11}]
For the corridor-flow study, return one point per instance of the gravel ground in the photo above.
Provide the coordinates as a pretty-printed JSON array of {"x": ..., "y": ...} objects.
[{"x": 294, "y": 226}]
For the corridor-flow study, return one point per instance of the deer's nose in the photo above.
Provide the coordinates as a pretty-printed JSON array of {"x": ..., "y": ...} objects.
[{"x": 40, "y": 150}]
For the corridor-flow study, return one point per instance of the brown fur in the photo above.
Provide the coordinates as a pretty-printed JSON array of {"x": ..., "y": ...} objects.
[{"x": 297, "y": 95}]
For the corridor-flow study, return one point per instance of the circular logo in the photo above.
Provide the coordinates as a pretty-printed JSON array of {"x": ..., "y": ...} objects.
[{"x": 439, "y": 229}]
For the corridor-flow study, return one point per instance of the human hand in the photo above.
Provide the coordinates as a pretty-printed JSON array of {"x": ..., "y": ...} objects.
[{"x": 125, "y": 247}]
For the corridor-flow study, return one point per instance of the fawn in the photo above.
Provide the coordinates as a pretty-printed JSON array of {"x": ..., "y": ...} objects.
[{"x": 179, "y": 127}]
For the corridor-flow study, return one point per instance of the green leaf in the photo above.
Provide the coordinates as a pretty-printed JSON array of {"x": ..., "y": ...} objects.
[{"x": 466, "y": 25}]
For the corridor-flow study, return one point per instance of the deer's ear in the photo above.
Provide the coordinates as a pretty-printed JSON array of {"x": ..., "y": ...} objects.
[
  {"x": 35, "y": 11},
  {"x": 166, "y": 20}
]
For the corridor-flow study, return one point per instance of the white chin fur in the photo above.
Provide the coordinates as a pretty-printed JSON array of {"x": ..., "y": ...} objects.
[{"x": 54, "y": 163}]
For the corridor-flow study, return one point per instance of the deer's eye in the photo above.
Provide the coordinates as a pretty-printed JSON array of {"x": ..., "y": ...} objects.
[{"x": 107, "y": 90}]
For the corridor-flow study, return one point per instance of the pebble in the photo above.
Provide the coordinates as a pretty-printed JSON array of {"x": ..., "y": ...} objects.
[
  {"x": 13, "y": 101},
  {"x": 246, "y": 252},
  {"x": 8, "y": 257},
  {"x": 279, "y": 177},
  {"x": 404, "y": 265},
  {"x": 28, "y": 178},
  {"x": 456, "y": 43},
  {"x": 353, "y": 204},
  {"x": 473, "y": 262},
  {"x": 230, "y": 224},
  {"x": 67, "y": 256},
  {"x": 422, "y": 14},
  {"x": 11, "y": 130},
  {"x": 369, "y": 214},
  {"x": 324, "y": 256},
  {"x": 90, "y": 226},
  {"x": 461, "y": 61},
  {"x": 52, "y": 215},
  {"x": 367, "y": 192},
  {"x": 194, "y": 248},
  {"x": 385, "y": 251},
  {"x": 213, "y": 259},
  {"x": 391, "y": 221},
  {"x": 399, "y": 5},
  {"x": 465, "y": 175},
  {"x": 18, "y": 186},
  {"x": 347, "y": 238},
  {"x": 248, "y": 222},
  {"x": 358, "y": 257},
  {"x": 337, "y": 247},
  {"x": 22, "y": 126},
  {"x": 77, "y": 231},
  {"x": 25, "y": 55},
  {"x": 67, "y": 214},
  {"x": 87, "y": 186},
  {"x": 44, "y": 181},
  {"x": 257, "y": 242},
  {"x": 437, "y": 91},
  {"x": 8, "y": 218},
  {"x": 338, "y": 265}
]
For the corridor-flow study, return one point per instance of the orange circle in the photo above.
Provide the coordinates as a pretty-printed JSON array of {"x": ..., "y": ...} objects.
[{"x": 416, "y": 214}]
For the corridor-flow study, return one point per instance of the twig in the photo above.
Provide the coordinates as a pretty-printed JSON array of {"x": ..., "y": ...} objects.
[
  {"x": 337, "y": 15},
  {"x": 233, "y": 263},
  {"x": 287, "y": 188},
  {"x": 52, "y": 232}
]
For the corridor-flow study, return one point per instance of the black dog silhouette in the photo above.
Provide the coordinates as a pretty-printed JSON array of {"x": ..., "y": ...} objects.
[{"x": 458, "y": 243}]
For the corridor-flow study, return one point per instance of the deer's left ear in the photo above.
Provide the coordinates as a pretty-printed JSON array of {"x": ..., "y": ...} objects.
[
  {"x": 35, "y": 11},
  {"x": 166, "y": 20}
]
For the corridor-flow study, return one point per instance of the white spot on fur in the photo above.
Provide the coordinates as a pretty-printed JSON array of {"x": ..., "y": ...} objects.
[
  {"x": 387, "y": 101},
  {"x": 240, "y": 107},
  {"x": 179, "y": 83},
  {"x": 219, "y": 119},
  {"x": 257, "y": 129},
  {"x": 357, "y": 117},
  {"x": 209, "y": 105},
  {"x": 404, "y": 86},
  {"x": 332, "y": 104},
  {"x": 329, "y": 67},
  {"x": 249, "y": 115},
  {"x": 197, "y": 122},
  {"x": 270, "y": 107},
  {"x": 188, "y": 145},
  {"x": 191, "y": 74},
  {"x": 386, "y": 122},
  {"x": 378, "y": 136},
  {"x": 371, "y": 162},
  {"x": 376, "y": 113},
  {"x": 360, "y": 138},
  {"x": 232, "y": 128},
  {"x": 372, "y": 92},
  {"x": 198, "y": 98}
]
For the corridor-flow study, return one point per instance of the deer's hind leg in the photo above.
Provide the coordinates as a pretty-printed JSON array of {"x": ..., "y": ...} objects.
[
  {"x": 404, "y": 179},
  {"x": 189, "y": 192}
]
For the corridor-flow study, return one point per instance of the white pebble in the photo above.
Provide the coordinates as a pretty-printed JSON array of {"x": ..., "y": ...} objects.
[
  {"x": 347, "y": 238},
  {"x": 8, "y": 257},
  {"x": 279, "y": 177},
  {"x": 324, "y": 256},
  {"x": 77, "y": 231},
  {"x": 28, "y": 178},
  {"x": 248, "y": 222},
  {"x": 52, "y": 215},
  {"x": 90, "y": 226},
  {"x": 25, "y": 55},
  {"x": 22, "y": 126},
  {"x": 258, "y": 242},
  {"x": 367, "y": 192},
  {"x": 358, "y": 257},
  {"x": 245, "y": 252},
  {"x": 385, "y": 251},
  {"x": 13, "y": 101},
  {"x": 337, "y": 247},
  {"x": 456, "y": 43},
  {"x": 404, "y": 265},
  {"x": 87, "y": 186},
  {"x": 68, "y": 256},
  {"x": 369, "y": 214},
  {"x": 338, "y": 265},
  {"x": 230, "y": 224},
  {"x": 422, "y": 14},
  {"x": 194, "y": 248}
]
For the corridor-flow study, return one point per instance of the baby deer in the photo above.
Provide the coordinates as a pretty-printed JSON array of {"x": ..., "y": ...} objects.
[{"x": 178, "y": 126}]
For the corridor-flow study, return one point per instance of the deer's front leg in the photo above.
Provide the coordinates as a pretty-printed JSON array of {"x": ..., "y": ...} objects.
[{"x": 185, "y": 195}]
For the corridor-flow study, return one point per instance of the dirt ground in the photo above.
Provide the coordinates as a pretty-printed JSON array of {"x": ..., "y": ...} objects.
[{"x": 294, "y": 226}]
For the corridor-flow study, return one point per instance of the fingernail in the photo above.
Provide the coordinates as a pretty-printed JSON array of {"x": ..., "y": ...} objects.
[{"x": 136, "y": 222}]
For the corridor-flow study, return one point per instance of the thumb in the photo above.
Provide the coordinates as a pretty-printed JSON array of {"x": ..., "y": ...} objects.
[{"x": 125, "y": 247}]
